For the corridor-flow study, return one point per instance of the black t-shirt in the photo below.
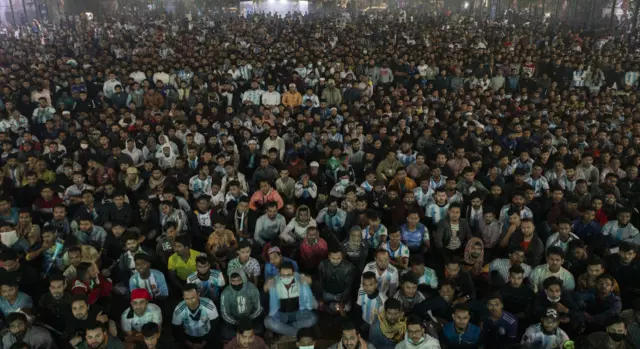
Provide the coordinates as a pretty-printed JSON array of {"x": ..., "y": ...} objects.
[{"x": 77, "y": 327}]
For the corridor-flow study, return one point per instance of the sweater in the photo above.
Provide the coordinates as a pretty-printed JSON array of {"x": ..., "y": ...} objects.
[
  {"x": 238, "y": 304},
  {"x": 267, "y": 228}
]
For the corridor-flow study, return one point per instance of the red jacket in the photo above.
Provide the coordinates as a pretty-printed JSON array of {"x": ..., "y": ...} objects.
[
  {"x": 312, "y": 255},
  {"x": 102, "y": 288}
]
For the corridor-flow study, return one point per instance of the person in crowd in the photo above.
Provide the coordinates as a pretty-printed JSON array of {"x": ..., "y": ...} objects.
[
  {"x": 459, "y": 164},
  {"x": 390, "y": 326},
  {"x": 616, "y": 335},
  {"x": 387, "y": 276},
  {"x": 416, "y": 336},
  {"x": 460, "y": 333},
  {"x": 21, "y": 330},
  {"x": 239, "y": 304},
  {"x": 246, "y": 338},
  {"x": 194, "y": 318},
  {"x": 334, "y": 281},
  {"x": 555, "y": 259},
  {"x": 96, "y": 336},
  {"x": 290, "y": 302},
  {"x": 141, "y": 312},
  {"x": 545, "y": 334},
  {"x": 500, "y": 328}
]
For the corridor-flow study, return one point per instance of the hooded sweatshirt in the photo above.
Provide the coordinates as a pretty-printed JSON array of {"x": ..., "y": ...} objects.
[
  {"x": 243, "y": 303},
  {"x": 297, "y": 230},
  {"x": 165, "y": 162}
]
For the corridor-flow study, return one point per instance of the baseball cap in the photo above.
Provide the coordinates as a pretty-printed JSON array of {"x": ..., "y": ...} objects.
[
  {"x": 275, "y": 250},
  {"x": 140, "y": 293}
]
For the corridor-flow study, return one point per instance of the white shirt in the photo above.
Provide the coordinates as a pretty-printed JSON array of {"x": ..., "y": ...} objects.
[
  {"x": 271, "y": 98},
  {"x": 387, "y": 281},
  {"x": 130, "y": 321}
]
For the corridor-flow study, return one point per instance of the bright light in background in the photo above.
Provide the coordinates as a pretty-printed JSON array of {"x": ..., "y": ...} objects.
[
  {"x": 547, "y": 15},
  {"x": 466, "y": 5}
]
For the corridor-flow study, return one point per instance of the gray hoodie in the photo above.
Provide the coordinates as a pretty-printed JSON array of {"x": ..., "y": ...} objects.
[{"x": 245, "y": 303}]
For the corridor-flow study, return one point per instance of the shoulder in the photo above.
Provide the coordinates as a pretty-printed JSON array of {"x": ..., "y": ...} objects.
[
  {"x": 192, "y": 278},
  {"x": 208, "y": 304},
  {"x": 180, "y": 308}
]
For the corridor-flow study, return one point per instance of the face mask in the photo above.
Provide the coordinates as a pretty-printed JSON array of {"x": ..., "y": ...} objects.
[
  {"x": 553, "y": 300},
  {"x": 9, "y": 238},
  {"x": 415, "y": 342},
  {"x": 344, "y": 181},
  {"x": 287, "y": 279},
  {"x": 617, "y": 337},
  {"x": 306, "y": 347},
  {"x": 237, "y": 287},
  {"x": 84, "y": 145},
  {"x": 475, "y": 255}
]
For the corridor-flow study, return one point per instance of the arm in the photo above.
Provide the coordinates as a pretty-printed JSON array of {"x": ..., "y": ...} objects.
[{"x": 393, "y": 284}]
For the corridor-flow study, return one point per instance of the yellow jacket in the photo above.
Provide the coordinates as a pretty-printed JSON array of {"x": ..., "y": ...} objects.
[{"x": 292, "y": 100}]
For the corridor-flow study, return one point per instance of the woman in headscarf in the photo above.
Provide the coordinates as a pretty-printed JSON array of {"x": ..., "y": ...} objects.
[{"x": 474, "y": 257}]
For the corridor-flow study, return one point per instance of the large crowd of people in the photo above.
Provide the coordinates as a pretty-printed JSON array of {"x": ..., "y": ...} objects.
[{"x": 221, "y": 181}]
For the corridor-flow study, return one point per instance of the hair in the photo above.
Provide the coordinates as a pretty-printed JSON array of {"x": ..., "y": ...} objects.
[
  {"x": 368, "y": 275},
  {"x": 626, "y": 246},
  {"x": 244, "y": 244},
  {"x": 305, "y": 333},
  {"x": 190, "y": 287},
  {"x": 550, "y": 281},
  {"x": 416, "y": 260},
  {"x": 16, "y": 316},
  {"x": 392, "y": 303},
  {"x": 410, "y": 278},
  {"x": 202, "y": 260},
  {"x": 495, "y": 295},
  {"x": 56, "y": 277},
  {"x": 607, "y": 277},
  {"x": 595, "y": 260},
  {"x": 79, "y": 298},
  {"x": 516, "y": 269},
  {"x": 95, "y": 324},
  {"x": 414, "y": 319},
  {"x": 461, "y": 307},
  {"x": 555, "y": 250},
  {"x": 150, "y": 329},
  {"x": 129, "y": 235},
  {"x": 243, "y": 326},
  {"x": 286, "y": 265},
  {"x": 184, "y": 240},
  {"x": 83, "y": 269},
  {"x": 142, "y": 256}
]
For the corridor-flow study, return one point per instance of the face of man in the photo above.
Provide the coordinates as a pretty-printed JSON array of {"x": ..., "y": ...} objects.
[
  {"x": 461, "y": 319},
  {"x": 393, "y": 315},
  {"x": 382, "y": 261},
  {"x": 152, "y": 341},
  {"x": 142, "y": 267},
  {"x": 245, "y": 339},
  {"x": 95, "y": 338},
  {"x": 495, "y": 307},
  {"x": 56, "y": 288},
  {"x": 80, "y": 310},
  {"x": 191, "y": 299},
  {"x": 18, "y": 329},
  {"x": 415, "y": 333}
]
